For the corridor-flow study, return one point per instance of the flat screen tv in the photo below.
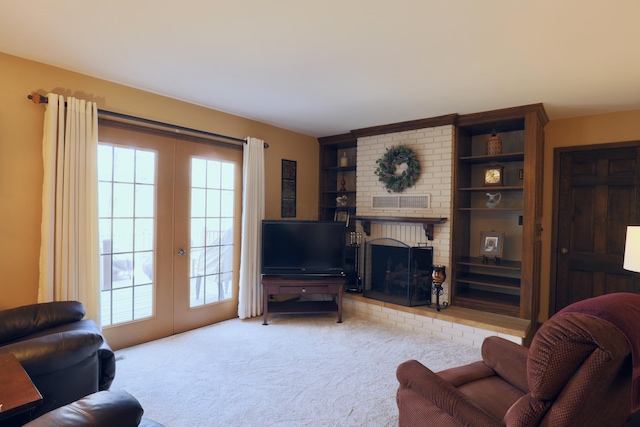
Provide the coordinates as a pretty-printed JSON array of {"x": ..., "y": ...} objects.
[{"x": 303, "y": 248}]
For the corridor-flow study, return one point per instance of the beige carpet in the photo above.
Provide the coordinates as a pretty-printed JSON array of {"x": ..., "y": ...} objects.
[{"x": 297, "y": 371}]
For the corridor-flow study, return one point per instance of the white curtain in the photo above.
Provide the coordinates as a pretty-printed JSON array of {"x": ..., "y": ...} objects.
[
  {"x": 250, "y": 298},
  {"x": 69, "y": 252}
]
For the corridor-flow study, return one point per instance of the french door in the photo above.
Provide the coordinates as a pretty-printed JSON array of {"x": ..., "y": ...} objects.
[{"x": 169, "y": 232}]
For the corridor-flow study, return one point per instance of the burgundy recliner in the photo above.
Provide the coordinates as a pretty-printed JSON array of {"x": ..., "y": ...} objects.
[{"x": 582, "y": 369}]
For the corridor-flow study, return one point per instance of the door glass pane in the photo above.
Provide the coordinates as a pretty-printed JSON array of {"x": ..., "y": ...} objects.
[
  {"x": 212, "y": 227},
  {"x": 127, "y": 185}
]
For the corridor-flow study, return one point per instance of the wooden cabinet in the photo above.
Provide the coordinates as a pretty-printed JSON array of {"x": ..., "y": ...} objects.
[
  {"x": 510, "y": 285},
  {"x": 282, "y": 285},
  {"x": 336, "y": 178}
]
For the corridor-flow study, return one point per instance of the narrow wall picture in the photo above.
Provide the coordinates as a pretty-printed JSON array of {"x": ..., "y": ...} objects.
[{"x": 288, "y": 206}]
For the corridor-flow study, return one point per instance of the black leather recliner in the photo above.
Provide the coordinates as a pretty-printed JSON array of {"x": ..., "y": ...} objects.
[
  {"x": 110, "y": 408},
  {"x": 66, "y": 357}
]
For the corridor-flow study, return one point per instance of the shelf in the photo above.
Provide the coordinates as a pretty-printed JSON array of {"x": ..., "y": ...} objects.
[
  {"x": 490, "y": 209},
  {"x": 490, "y": 297},
  {"x": 338, "y": 192},
  {"x": 332, "y": 148},
  {"x": 508, "y": 157},
  {"x": 351, "y": 209},
  {"x": 302, "y": 307},
  {"x": 503, "y": 188},
  {"x": 492, "y": 302},
  {"x": 339, "y": 169},
  {"x": 492, "y": 281},
  {"x": 512, "y": 287},
  {"x": 504, "y": 264},
  {"x": 427, "y": 223}
]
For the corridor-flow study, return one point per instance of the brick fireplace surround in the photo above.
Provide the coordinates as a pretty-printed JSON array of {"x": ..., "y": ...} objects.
[{"x": 434, "y": 148}]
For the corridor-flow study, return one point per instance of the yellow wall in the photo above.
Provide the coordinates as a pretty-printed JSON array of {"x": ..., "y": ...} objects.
[
  {"x": 588, "y": 130},
  {"x": 21, "y": 157}
]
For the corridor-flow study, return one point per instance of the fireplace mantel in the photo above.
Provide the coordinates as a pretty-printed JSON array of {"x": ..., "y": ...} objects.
[{"x": 427, "y": 223}]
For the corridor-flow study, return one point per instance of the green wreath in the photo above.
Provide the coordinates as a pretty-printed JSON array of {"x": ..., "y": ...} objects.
[{"x": 388, "y": 163}]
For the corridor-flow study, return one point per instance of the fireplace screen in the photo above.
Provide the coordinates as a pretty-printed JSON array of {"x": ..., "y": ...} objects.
[{"x": 398, "y": 273}]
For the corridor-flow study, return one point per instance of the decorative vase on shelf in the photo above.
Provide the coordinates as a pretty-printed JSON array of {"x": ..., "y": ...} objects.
[
  {"x": 344, "y": 160},
  {"x": 494, "y": 144},
  {"x": 494, "y": 200},
  {"x": 342, "y": 185}
]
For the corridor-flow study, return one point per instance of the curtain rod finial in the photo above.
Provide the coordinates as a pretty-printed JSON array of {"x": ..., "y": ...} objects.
[{"x": 37, "y": 98}]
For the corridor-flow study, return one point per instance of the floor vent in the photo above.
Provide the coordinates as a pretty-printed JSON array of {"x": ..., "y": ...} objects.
[{"x": 401, "y": 202}]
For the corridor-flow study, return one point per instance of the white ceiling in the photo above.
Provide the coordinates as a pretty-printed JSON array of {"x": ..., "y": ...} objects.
[{"x": 326, "y": 67}]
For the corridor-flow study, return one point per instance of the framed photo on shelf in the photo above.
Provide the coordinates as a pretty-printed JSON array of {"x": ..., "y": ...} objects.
[
  {"x": 491, "y": 243},
  {"x": 342, "y": 215}
]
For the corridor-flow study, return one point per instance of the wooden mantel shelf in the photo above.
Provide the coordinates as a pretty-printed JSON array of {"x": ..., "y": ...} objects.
[{"x": 427, "y": 223}]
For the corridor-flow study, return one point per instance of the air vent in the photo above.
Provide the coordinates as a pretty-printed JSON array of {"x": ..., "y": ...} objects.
[{"x": 401, "y": 202}]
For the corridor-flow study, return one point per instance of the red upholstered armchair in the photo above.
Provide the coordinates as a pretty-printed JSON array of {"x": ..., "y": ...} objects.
[{"x": 582, "y": 369}]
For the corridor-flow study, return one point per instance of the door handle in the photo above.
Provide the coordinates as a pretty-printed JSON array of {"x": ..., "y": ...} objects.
[
  {"x": 182, "y": 252},
  {"x": 564, "y": 251}
]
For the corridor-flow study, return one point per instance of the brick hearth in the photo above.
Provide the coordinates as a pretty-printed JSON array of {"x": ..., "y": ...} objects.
[{"x": 457, "y": 324}]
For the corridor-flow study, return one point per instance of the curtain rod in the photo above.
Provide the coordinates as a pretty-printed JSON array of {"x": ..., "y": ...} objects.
[{"x": 40, "y": 99}]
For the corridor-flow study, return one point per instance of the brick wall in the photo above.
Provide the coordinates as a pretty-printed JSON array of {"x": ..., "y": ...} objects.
[{"x": 434, "y": 148}]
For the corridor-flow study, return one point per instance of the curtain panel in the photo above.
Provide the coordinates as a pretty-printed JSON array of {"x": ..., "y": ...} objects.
[
  {"x": 250, "y": 294},
  {"x": 69, "y": 253}
]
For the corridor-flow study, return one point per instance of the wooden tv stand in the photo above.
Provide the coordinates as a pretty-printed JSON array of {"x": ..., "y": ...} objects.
[{"x": 282, "y": 285}]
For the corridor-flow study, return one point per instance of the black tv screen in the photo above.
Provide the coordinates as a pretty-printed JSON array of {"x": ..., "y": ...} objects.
[{"x": 303, "y": 247}]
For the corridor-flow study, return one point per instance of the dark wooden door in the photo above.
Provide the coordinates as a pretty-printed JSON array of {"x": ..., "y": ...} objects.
[{"x": 596, "y": 197}]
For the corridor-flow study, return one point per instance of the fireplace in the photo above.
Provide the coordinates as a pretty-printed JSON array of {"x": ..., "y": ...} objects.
[{"x": 397, "y": 273}]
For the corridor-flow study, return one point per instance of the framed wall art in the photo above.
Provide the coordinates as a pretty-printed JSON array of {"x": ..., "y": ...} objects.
[{"x": 288, "y": 204}]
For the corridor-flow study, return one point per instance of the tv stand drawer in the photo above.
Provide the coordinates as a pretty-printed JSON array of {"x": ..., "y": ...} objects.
[{"x": 303, "y": 290}]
